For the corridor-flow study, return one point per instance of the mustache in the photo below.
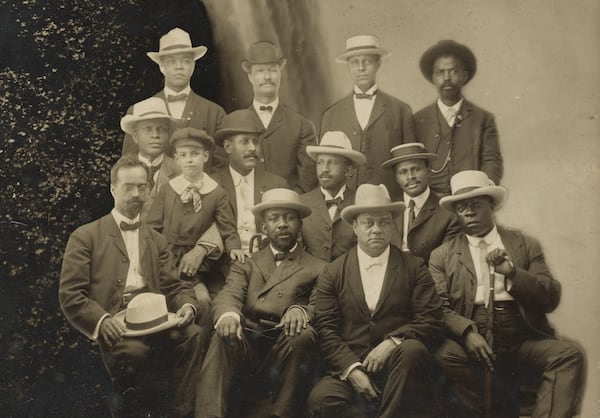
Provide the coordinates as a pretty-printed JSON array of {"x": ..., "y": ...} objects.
[{"x": 251, "y": 154}]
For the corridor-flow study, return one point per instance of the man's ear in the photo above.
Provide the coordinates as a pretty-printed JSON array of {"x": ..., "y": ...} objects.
[
  {"x": 227, "y": 146},
  {"x": 112, "y": 190},
  {"x": 263, "y": 227}
]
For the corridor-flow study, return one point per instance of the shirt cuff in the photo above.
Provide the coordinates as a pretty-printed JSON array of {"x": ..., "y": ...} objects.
[
  {"x": 347, "y": 372},
  {"x": 210, "y": 248},
  {"x": 228, "y": 315},
  {"x": 396, "y": 340},
  {"x": 97, "y": 329}
]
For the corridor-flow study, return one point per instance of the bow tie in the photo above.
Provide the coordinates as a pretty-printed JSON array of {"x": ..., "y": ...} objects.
[
  {"x": 129, "y": 227},
  {"x": 266, "y": 108},
  {"x": 192, "y": 194},
  {"x": 177, "y": 97},
  {"x": 280, "y": 256},
  {"x": 337, "y": 201},
  {"x": 365, "y": 95}
]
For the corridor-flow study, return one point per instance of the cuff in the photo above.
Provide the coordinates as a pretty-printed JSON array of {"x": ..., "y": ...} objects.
[
  {"x": 97, "y": 329},
  {"x": 211, "y": 254},
  {"x": 227, "y": 315},
  {"x": 347, "y": 372},
  {"x": 192, "y": 306},
  {"x": 396, "y": 340}
]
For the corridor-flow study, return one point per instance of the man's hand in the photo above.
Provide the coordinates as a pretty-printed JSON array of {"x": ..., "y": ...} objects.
[
  {"x": 230, "y": 328},
  {"x": 293, "y": 321},
  {"x": 111, "y": 331},
  {"x": 500, "y": 259},
  {"x": 362, "y": 384},
  {"x": 479, "y": 349},
  {"x": 377, "y": 358},
  {"x": 185, "y": 316},
  {"x": 238, "y": 255},
  {"x": 191, "y": 261}
]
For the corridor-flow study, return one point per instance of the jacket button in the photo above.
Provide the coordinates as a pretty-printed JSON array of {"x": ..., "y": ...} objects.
[
  {"x": 119, "y": 281},
  {"x": 327, "y": 228},
  {"x": 325, "y": 248},
  {"x": 114, "y": 301},
  {"x": 261, "y": 299},
  {"x": 280, "y": 294},
  {"x": 355, "y": 133},
  {"x": 124, "y": 260}
]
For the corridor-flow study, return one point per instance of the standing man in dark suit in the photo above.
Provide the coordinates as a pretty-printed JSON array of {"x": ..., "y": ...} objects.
[
  {"x": 462, "y": 135},
  {"x": 243, "y": 179},
  {"x": 287, "y": 133},
  {"x": 374, "y": 121},
  {"x": 324, "y": 234},
  {"x": 377, "y": 313},
  {"x": 263, "y": 318},
  {"x": 524, "y": 291},
  {"x": 176, "y": 59},
  {"x": 425, "y": 225},
  {"x": 108, "y": 262}
]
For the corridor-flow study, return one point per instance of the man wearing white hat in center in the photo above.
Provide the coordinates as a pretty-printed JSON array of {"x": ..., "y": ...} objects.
[
  {"x": 374, "y": 121},
  {"x": 377, "y": 315},
  {"x": 324, "y": 233}
]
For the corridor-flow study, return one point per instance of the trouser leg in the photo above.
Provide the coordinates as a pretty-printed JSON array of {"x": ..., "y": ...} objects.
[{"x": 333, "y": 398}]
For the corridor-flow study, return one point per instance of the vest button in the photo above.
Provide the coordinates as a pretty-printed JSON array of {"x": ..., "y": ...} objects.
[
  {"x": 261, "y": 299},
  {"x": 280, "y": 294},
  {"x": 328, "y": 228}
]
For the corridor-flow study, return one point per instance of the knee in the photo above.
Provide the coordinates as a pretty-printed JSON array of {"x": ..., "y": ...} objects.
[
  {"x": 450, "y": 354},
  {"x": 306, "y": 340},
  {"x": 411, "y": 352},
  {"x": 569, "y": 356}
]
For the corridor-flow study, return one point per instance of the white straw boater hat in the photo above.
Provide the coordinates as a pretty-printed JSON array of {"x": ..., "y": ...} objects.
[
  {"x": 471, "y": 183},
  {"x": 281, "y": 198},
  {"x": 336, "y": 143},
  {"x": 176, "y": 41},
  {"x": 362, "y": 45},
  {"x": 151, "y": 108},
  {"x": 368, "y": 198},
  {"x": 146, "y": 314},
  {"x": 408, "y": 151}
]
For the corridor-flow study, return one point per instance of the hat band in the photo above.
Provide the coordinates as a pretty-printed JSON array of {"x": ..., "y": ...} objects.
[
  {"x": 140, "y": 326},
  {"x": 331, "y": 146},
  {"x": 153, "y": 112},
  {"x": 176, "y": 46},
  {"x": 466, "y": 190},
  {"x": 355, "y": 48}
]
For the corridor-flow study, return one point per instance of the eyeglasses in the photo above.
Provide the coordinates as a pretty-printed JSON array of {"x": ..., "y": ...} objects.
[
  {"x": 462, "y": 207},
  {"x": 151, "y": 129}
]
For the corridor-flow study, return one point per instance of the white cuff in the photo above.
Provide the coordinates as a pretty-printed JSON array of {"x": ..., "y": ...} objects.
[
  {"x": 97, "y": 329},
  {"x": 353, "y": 366},
  {"x": 396, "y": 340},
  {"x": 227, "y": 315}
]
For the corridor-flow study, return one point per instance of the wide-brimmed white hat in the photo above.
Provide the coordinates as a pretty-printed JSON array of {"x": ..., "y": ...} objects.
[
  {"x": 408, "y": 151},
  {"x": 361, "y": 45},
  {"x": 151, "y": 108},
  {"x": 176, "y": 41},
  {"x": 146, "y": 314},
  {"x": 281, "y": 198},
  {"x": 371, "y": 197},
  {"x": 336, "y": 143},
  {"x": 471, "y": 183}
]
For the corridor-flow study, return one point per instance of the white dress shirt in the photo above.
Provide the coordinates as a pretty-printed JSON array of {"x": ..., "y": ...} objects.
[
  {"x": 176, "y": 108},
  {"x": 244, "y": 197},
  {"x": 493, "y": 241},
  {"x": 265, "y": 116},
  {"x": 372, "y": 273},
  {"x": 333, "y": 208},
  {"x": 419, "y": 202},
  {"x": 363, "y": 107},
  {"x": 449, "y": 112}
]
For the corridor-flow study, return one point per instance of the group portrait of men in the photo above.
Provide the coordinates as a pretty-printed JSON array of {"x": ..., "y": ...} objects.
[{"x": 254, "y": 265}]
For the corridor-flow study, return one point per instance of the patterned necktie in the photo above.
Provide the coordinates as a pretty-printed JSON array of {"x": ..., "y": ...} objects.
[
  {"x": 129, "y": 227},
  {"x": 337, "y": 201},
  {"x": 176, "y": 97},
  {"x": 266, "y": 108},
  {"x": 191, "y": 193},
  {"x": 411, "y": 214},
  {"x": 365, "y": 95},
  {"x": 485, "y": 273},
  {"x": 280, "y": 256},
  {"x": 152, "y": 171}
]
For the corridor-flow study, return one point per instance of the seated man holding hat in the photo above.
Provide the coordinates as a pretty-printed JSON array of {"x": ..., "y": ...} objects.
[
  {"x": 425, "y": 225},
  {"x": 520, "y": 339},
  {"x": 115, "y": 261},
  {"x": 377, "y": 313},
  {"x": 324, "y": 233},
  {"x": 263, "y": 319}
]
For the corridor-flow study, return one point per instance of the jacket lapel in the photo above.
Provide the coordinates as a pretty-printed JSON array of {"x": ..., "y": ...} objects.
[
  {"x": 317, "y": 203},
  {"x": 351, "y": 117},
  {"x": 229, "y": 187},
  {"x": 115, "y": 233},
  {"x": 463, "y": 113},
  {"x": 465, "y": 259},
  {"x": 265, "y": 262},
  {"x": 426, "y": 212},
  {"x": 391, "y": 273},
  {"x": 284, "y": 271},
  {"x": 378, "y": 109},
  {"x": 275, "y": 123},
  {"x": 514, "y": 246},
  {"x": 355, "y": 283}
]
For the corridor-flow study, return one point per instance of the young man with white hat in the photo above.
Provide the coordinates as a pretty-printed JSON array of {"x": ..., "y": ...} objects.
[
  {"x": 176, "y": 59},
  {"x": 374, "y": 121},
  {"x": 463, "y": 136},
  {"x": 524, "y": 290},
  {"x": 324, "y": 234},
  {"x": 286, "y": 132},
  {"x": 377, "y": 315},
  {"x": 263, "y": 319},
  {"x": 423, "y": 226},
  {"x": 106, "y": 264}
]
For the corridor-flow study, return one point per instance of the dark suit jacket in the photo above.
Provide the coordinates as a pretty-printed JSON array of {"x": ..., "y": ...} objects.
[
  {"x": 391, "y": 123},
  {"x": 475, "y": 143},
  {"x": 259, "y": 289},
  {"x": 534, "y": 288},
  {"x": 408, "y": 307},
  {"x": 283, "y": 148},
  {"x": 323, "y": 237},
  {"x": 94, "y": 272},
  {"x": 263, "y": 181},
  {"x": 168, "y": 170},
  {"x": 433, "y": 226}
]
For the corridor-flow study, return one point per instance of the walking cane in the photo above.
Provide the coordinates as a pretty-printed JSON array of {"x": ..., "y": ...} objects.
[{"x": 489, "y": 338}]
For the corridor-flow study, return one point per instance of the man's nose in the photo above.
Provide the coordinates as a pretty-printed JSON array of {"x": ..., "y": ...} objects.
[{"x": 135, "y": 192}]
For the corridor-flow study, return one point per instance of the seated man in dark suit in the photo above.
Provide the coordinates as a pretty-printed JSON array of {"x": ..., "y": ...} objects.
[
  {"x": 424, "y": 226},
  {"x": 106, "y": 263},
  {"x": 262, "y": 318},
  {"x": 324, "y": 234},
  {"x": 377, "y": 313},
  {"x": 523, "y": 292}
]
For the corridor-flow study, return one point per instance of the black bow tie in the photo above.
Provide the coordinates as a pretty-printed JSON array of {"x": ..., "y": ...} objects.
[
  {"x": 365, "y": 95},
  {"x": 281, "y": 256},
  {"x": 266, "y": 108},
  {"x": 177, "y": 97},
  {"x": 129, "y": 227},
  {"x": 337, "y": 201}
]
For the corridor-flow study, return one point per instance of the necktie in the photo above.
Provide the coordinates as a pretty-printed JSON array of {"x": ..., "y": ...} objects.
[
  {"x": 191, "y": 193},
  {"x": 266, "y": 108},
  {"x": 451, "y": 115},
  {"x": 337, "y": 201},
  {"x": 246, "y": 193},
  {"x": 280, "y": 256},
  {"x": 485, "y": 273},
  {"x": 129, "y": 227},
  {"x": 411, "y": 214},
  {"x": 152, "y": 171},
  {"x": 176, "y": 97},
  {"x": 365, "y": 95}
]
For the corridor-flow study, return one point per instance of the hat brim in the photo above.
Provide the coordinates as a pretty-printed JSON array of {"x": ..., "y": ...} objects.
[
  {"x": 343, "y": 59},
  {"x": 197, "y": 51},
  {"x": 247, "y": 65},
  {"x": 303, "y": 210},
  {"x": 421, "y": 156},
  {"x": 223, "y": 134},
  {"x": 128, "y": 122},
  {"x": 357, "y": 159},
  {"x": 170, "y": 322},
  {"x": 497, "y": 193},
  {"x": 349, "y": 213},
  {"x": 463, "y": 53},
  {"x": 193, "y": 142}
]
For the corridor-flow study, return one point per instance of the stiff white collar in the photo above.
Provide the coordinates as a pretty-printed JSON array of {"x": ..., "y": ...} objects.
[{"x": 205, "y": 186}]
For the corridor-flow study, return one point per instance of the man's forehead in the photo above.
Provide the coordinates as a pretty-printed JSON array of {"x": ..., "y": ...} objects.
[
  {"x": 261, "y": 67},
  {"x": 279, "y": 211},
  {"x": 375, "y": 214},
  {"x": 157, "y": 121},
  {"x": 402, "y": 165},
  {"x": 361, "y": 57},
  {"x": 132, "y": 175},
  {"x": 329, "y": 157},
  {"x": 447, "y": 59},
  {"x": 242, "y": 137},
  {"x": 177, "y": 55}
]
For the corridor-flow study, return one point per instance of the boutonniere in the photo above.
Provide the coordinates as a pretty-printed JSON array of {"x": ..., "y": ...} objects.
[{"x": 458, "y": 120}]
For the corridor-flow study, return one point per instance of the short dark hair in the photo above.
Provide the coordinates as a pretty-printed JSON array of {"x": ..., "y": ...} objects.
[{"x": 126, "y": 161}]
